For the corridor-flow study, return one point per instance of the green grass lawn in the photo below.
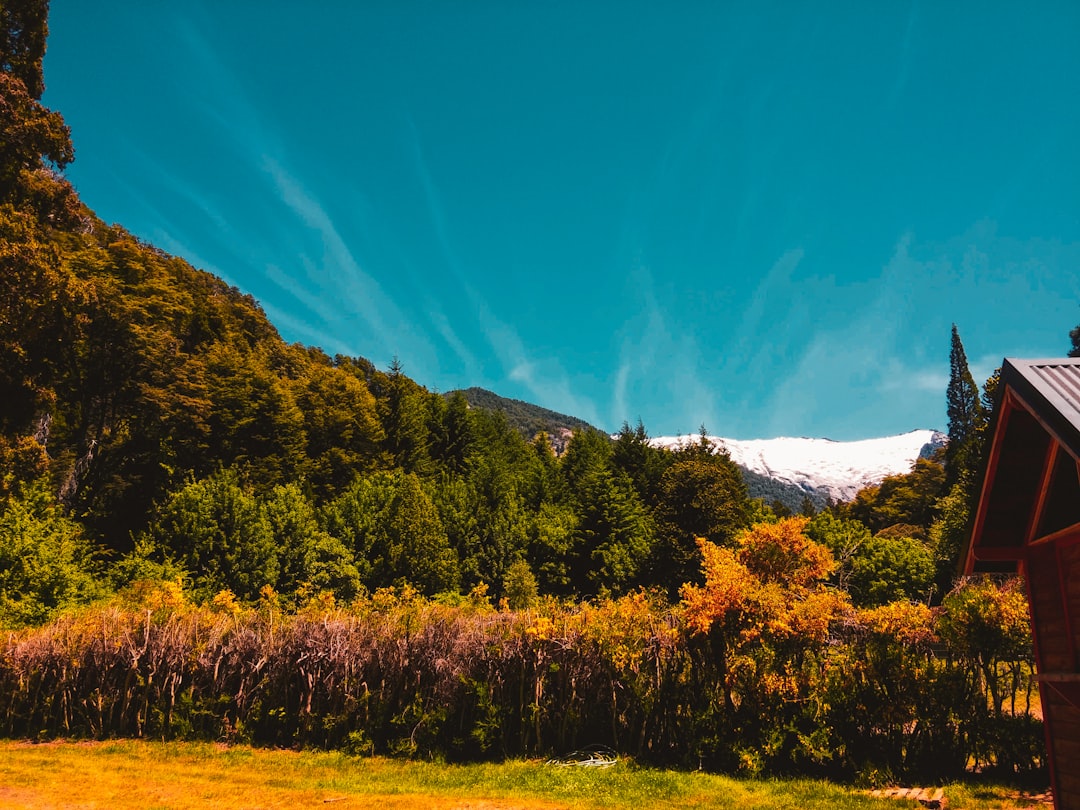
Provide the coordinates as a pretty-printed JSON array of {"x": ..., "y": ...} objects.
[{"x": 132, "y": 774}]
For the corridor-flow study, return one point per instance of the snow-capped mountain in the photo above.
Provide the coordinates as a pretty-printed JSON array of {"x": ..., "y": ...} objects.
[{"x": 822, "y": 467}]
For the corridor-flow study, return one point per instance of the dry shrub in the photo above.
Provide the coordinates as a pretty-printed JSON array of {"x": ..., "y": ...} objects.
[{"x": 807, "y": 686}]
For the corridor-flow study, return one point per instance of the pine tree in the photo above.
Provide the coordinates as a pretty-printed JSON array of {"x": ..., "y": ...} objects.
[
  {"x": 615, "y": 535},
  {"x": 451, "y": 430},
  {"x": 701, "y": 494},
  {"x": 405, "y": 422},
  {"x": 644, "y": 463},
  {"x": 419, "y": 551},
  {"x": 965, "y": 413}
]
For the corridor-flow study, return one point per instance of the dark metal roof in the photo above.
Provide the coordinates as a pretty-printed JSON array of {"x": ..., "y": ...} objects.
[{"x": 1051, "y": 390}]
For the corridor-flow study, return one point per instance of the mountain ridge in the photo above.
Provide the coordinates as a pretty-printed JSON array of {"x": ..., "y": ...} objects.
[
  {"x": 527, "y": 417},
  {"x": 821, "y": 469},
  {"x": 785, "y": 469}
]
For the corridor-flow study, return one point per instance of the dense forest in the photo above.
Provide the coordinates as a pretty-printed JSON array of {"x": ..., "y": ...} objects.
[{"x": 206, "y": 531}]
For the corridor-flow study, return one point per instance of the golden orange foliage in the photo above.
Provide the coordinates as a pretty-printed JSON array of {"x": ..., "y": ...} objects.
[
  {"x": 780, "y": 552},
  {"x": 627, "y": 629},
  {"x": 810, "y": 617},
  {"x": 905, "y": 622},
  {"x": 727, "y": 589},
  {"x": 773, "y": 580},
  {"x": 225, "y": 602}
]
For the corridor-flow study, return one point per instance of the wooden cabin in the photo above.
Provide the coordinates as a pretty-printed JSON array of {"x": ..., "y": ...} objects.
[{"x": 1028, "y": 521}]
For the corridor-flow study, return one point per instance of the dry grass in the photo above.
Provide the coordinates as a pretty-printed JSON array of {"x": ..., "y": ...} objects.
[{"x": 129, "y": 774}]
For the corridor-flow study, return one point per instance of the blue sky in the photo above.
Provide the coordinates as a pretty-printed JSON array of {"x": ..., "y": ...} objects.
[{"x": 763, "y": 217}]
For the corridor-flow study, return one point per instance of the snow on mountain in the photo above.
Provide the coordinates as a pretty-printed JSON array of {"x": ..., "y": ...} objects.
[{"x": 834, "y": 469}]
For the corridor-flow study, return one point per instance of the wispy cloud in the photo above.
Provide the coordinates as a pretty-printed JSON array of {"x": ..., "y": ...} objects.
[
  {"x": 904, "y": 66},
  {"x": 212, "y": 88},
  {"x": 885, "y": 361},
  {"x": 765, "y": 319},
  {"x": 660, "y": 364},
  {"x": 472, "y": 366},
  {"x": 435, "y": 206},
  {"x": 284, "y": 246},
  {"x": 850, "y": 364},
  {"x": 359, "y": 291},
  {"x": 235, "y": 254},
  {"x": 304, "y": 330},
  {"x": 543, "y": 377},
  {"x": 437, "y": 214}
]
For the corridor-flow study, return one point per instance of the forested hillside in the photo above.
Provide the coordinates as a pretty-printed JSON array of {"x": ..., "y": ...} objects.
[
  {"x": 528, "y": 418},
  {"x": 155, "y": 419},
  {"x": 167, "y": 457},
  {"x": 155, "y": 424}
]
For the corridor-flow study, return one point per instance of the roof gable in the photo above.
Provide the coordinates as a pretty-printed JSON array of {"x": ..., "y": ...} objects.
[
  {"x": 1032, "y": 486},
  {"x": 1051, "y": 391}
]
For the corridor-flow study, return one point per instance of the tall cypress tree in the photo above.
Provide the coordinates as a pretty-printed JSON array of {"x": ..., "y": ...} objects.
[{"x": 965, "y": 413}]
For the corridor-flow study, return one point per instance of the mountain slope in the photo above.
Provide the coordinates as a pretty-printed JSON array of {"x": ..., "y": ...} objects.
[
  {"x": 822, "y": 468},
  {"x": 525, "y": 417}
]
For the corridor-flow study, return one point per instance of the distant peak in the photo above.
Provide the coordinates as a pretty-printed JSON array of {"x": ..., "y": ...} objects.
[{"x": 834, "y": 469}]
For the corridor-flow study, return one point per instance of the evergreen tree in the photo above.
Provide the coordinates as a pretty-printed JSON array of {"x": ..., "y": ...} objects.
[
  {"x": 541, "y": 480},
  {"x": 358, "y": 517},
  {"x": 405, "y": 422},
  {"x": 309, "y": 558},
  {"x": 950, "y": 533},
  {"x": 341, "y": 424},
  {"x": 501, "y": 526},
  {"x": 419, "y": 551},
  {"x": 641, "y": 461},
  {"x": 552, "y": 536},
  {"x": 613, "y": 529},
  {"x": 216, "y": 529},
  {"x": 255, "y": 422},
  {"x": 588, "y": 453},
  {"x": 451, "y": 431},
  {"x": 614, "y": 536},
  {"x": 701, "y": 495},
  {"x": 519, "y": 586},
  {"x": 1074, "y": 336},
  {"x": 965, "y": 412}
]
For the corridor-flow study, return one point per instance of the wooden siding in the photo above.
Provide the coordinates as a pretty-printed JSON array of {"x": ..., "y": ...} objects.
[
  {"x": 1063, "y": 724},
  {"x": 1069, "y": 573},
  {"x": 1054, "y": 648}
]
